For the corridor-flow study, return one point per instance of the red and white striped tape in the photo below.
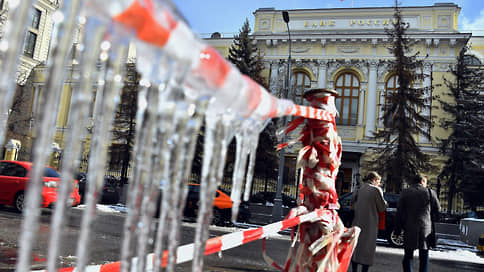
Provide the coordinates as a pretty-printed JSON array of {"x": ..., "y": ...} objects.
[
  {"x": 164, "y": 31},
  {"x": 216, "y": 244}
]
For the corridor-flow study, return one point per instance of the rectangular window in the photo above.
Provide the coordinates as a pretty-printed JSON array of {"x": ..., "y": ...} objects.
[
  {"x": 354, "y": 111},
  {"x": 29, "y": 46},
  {"x": 36, "y": 19}
]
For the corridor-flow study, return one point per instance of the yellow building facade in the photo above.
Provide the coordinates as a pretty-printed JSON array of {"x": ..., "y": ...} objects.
[
  {"x": 34, "y": 54},
  {"x": 346, "y": 49}
]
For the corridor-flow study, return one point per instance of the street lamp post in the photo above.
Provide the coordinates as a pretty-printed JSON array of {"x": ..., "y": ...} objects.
[{"x": 277, "y": 209}]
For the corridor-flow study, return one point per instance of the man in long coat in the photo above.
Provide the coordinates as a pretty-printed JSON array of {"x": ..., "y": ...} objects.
[
  {"x": 368, "y": 201},
  {"x": 414, "y": 218}
]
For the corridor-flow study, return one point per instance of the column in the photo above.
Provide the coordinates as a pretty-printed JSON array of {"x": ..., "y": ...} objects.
[
  {"x": 380, "y": 102},
  {"x": 361, "y": 102},
  {"x": 427, "y": 81},
  {"x": 428, "y": 43},
  {"x": 436, "y": 47},
  {"x": 371, "y": 101},
  {"x": 374, "y": 43},
  {"x": 323, "y": 68},
  {"x": 452, "y": 47},
  {"x": 273, "y": 79}
]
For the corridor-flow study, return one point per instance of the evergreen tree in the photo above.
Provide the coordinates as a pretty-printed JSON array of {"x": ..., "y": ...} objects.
[
  {"x": 246, "y": 57},
  {"x": 401, "y": 158},
  {"x": 124, "y": 126},
  {"x": 464, "y": 167}
]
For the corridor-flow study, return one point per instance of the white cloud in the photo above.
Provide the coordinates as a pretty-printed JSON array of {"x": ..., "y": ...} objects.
[{"x": 476, "y": 26}]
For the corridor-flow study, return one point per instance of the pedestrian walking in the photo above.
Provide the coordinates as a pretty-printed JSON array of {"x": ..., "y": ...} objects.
[
  {"x": 368, "y": 202},
  {"x": 414, "y": 217}
]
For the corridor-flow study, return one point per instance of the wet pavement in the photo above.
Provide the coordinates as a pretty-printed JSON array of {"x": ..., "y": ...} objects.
[{"x": 107, "y": 236}]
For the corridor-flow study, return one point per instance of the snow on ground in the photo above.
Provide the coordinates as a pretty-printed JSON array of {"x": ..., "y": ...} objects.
[
  {"x": 442, "y": 253},
  {"x": 117, "y": 208},
  {"x": 459, "y": 254}
]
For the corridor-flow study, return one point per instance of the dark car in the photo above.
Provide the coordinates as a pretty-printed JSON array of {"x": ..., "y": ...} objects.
[
  {"x": 110, "y": 194},
  {"x": 386, "y": 226},
  {"x": 222, "y": 206}
]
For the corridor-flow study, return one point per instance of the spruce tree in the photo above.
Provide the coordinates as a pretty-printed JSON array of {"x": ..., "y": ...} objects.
[
  {"x": 399, "y": 155},
  {"x": 463, "y": 169},
  {"x": 246, "y": 57},
  {"x": 124, "y": 126}
]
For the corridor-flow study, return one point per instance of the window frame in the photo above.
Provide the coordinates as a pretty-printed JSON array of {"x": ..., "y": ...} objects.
[
  {"x": 300, "y": 87},
  {"x": 340, "y": 100},
  {"x": 32, "y": 34},
  {"x": 472, "y": 60},
  {"x": 29, "y": 45},
  {"x": 393, "y": 90},
  {"x": 37, "y": 15}
]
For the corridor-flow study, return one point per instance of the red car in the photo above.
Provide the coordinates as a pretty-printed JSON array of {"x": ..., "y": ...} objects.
[{"x": 14, "y": 178}]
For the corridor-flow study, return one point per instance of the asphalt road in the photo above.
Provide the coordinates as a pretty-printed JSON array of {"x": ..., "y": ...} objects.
[{"x": 107, "y": 236}]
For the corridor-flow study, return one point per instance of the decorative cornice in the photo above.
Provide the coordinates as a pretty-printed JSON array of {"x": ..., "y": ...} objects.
[
  {"x": 436, "y": 42},
  {"x": 300, "y": 49},
  {"x": 348, "y": 49}
]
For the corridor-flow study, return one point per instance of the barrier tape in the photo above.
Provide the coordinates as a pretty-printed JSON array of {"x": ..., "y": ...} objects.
[
  {"x": 216, "y": 244},
  {"x": 169, "y": 34}
]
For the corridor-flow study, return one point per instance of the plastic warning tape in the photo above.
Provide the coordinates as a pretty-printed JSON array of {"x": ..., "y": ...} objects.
[
  {"x": 213, "y": 245},
  {"x": 210, "y": 73}
]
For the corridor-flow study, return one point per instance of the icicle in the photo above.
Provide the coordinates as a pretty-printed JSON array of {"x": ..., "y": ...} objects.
[
  {"x": 146, "y": 152},
  {"x": 178, "y": 189},
  {"x": 167, "y": 123},
  {"x": 100, "y": 138},
  {"x": 253, "y": 137},
  {"x": 239, "y": 168},
  {"x": 45, "y": 133},
  {"x": 161, "y": 70},
  {"x": 81, "y": 98},
  {"x": 134, "y": 189},
  {"x": 218, "y": 134},
  {"x": 248, "y": 136},
  {"x": 187, "y": 152}
]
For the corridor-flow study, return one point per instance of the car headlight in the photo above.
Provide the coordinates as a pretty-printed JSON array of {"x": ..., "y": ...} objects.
[{"x": 50, "y": 184}]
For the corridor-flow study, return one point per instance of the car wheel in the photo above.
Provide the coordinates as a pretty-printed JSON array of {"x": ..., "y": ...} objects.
[
  {"x": 395, "y": 240},
  {"x": 217, "y": 217},
  {"x": 19, "y": 201}
]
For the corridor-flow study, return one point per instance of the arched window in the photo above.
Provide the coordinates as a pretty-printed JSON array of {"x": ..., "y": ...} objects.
[
  {"x": 302, "y": 82},
  {"x": 471, "y": 60},
  {"x": 348, "y": 87},
  {"x": 391, "y": 87}
]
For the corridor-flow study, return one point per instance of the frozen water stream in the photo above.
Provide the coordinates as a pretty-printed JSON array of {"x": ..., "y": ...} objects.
[{"x": 184, "y": 84}]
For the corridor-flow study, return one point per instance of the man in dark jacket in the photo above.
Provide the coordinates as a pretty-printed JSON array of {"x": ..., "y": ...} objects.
[{"x": 414, "y": 218}]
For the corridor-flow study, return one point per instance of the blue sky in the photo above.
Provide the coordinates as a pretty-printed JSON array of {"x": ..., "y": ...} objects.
[{"x": 228, "y": 16}]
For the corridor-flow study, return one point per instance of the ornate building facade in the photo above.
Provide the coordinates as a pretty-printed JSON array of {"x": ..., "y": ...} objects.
[
  {"x": 34, "y": 54},
  {"x": 347, "y": 50}
]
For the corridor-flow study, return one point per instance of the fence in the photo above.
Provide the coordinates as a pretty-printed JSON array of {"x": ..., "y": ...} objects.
[{"x": 260, "y": 184}]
